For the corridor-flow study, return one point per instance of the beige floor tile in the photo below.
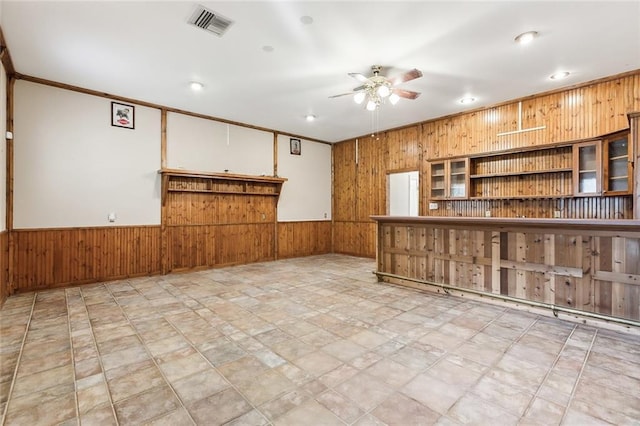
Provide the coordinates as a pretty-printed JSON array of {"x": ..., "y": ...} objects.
[
  {"x": 219, "y": 408},
  {"x": 265, "y": 387},
  {"x": 391, "y": 372},
  {"x": 146, "y": 406},
  {"x": 101, "y": 416},
  {"x": 344, "y": 350},
  {"x": 184, "y": 366},
  {"x": 283, "y": 404},
  {"x": 51, "y": 412},
  {"x": 299, "y": 340},
  {"x": 317, "y": 363},
  {"x": 199, "y": 385},
  {"x": 340, "y": 405},
  {"x": 438, "y": 395},
  {"x": 309, "y": 411},
  {"x": 366, "y": 391},
  {"x": 470, "y": 409},
  {"x": 135, "y": 382},
  {"x": 399, "y": 409}
]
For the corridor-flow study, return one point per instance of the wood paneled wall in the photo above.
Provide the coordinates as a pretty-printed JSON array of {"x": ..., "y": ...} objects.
[
  {"x": 578, "y": 113},
  {"x": 296, "y": 239},
  {"x": 207, "y": 229},
  {"x": 46, "y": 258},
  {"x": 590, "y": 270}
]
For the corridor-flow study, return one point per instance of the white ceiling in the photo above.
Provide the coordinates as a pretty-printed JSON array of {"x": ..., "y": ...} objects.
[{"x": 147, "y": 51}]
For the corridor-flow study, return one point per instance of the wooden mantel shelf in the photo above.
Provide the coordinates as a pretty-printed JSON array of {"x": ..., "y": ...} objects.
[{"x": 179, "y": 180}]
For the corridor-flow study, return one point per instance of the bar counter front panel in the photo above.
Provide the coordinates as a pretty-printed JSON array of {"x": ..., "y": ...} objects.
[{"x": 591, "y": 266}]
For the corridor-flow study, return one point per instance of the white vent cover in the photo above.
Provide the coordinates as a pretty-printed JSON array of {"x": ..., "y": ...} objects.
[{"x": 210, "y": 20}]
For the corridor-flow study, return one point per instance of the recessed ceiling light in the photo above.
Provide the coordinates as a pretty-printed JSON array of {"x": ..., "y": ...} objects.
[
  {"x": 306, "y": 20},
  {"x": 559, "y": 75},
  {"x": 196, "y": 86},
  {"x": 310, "y": 117},
  {"x": 467, "y": 100},
  {"x": 268, "y": 49},
  {"x": 527, "y": 37}
]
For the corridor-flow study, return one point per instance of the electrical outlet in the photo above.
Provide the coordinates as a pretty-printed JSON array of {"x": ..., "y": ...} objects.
[
  {"x": 557, "y": 213},
  {"x": 487, "y": 213},
  {"x": 433, "y": 206}
]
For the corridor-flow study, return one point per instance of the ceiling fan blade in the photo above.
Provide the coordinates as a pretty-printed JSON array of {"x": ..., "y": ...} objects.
[
  {"x": 356, "y": 90},
  {"x": 407, "y": 94},
  {"x": 359, "y": 77},
  {"x": 341, "y": 94},
  {"x": 407, "y": 76}
]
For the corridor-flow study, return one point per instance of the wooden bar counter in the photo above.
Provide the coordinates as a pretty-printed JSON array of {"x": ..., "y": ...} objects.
[{"x": 576, "y": 266}]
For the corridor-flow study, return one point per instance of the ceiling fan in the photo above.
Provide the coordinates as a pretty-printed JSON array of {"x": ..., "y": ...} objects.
[{"x": 377, "y": 88}]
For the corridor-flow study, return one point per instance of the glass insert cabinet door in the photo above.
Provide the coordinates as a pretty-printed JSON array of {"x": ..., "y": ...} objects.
[
  {"x": 617, "y": 166},
  {"x": 458, "y": 178},
  {"x": 449, "y": 179},
  {"x": 438, "y": 179},
  {"x": 587, "y": 168}
]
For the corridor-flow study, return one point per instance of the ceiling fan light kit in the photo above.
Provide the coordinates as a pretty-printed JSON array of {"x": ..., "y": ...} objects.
[{"x": 377, "y": 88}]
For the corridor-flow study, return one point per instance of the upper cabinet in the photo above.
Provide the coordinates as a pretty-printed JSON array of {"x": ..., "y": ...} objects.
[
  {"x": 603, "y": 167},
  {"x": 599, "y": 167},
  {"x": 618, "y": 170},
  {"x": 587, "y": 169},
  {"x": 449, "y": 179}
]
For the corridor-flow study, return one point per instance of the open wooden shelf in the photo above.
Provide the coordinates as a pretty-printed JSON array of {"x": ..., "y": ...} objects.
[
  {"x": 178, "y": 180},
  {"x": 528, "y": 172}
]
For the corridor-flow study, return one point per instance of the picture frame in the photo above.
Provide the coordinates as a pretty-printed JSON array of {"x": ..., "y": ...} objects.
[
  {"x": 295, "y": 146},
  {"x": 122, "y": 115}
]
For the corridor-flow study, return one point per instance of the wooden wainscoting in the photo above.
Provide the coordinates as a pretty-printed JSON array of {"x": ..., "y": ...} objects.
[
  {"x": 296, "y": 239},
  {"x": 47, "y": 258},
  {"x": 206, "y": 246},
  {"x": 355, "y": 238}
]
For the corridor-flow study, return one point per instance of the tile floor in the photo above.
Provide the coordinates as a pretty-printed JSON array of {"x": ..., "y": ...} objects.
[{"x": 310, "y": 341}]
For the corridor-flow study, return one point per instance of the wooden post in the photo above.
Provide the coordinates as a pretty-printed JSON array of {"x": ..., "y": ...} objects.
[
  {"x": 275, "y": 219},
  {"x": 164, "y": 252},
  {"x": 495, "y": 263},
  {"x": 11, "y": 285}
]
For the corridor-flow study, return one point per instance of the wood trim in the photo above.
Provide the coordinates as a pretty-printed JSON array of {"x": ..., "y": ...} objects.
[
  {"x": 9, "y": 187},
  {"x": 152, "y": 105},
  {"x": 561, "y": 225},
  {"x": 163, "y": 138},
  {"x": 5, "y": 56}
]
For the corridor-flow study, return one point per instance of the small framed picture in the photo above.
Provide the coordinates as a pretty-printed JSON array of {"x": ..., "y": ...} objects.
[
  {"x": 122, "y": 115},
  {"x": 295, "y": 146}
]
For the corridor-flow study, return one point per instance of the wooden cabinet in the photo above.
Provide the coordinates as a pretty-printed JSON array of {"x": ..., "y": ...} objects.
[
  {"x": 603, "y": 167},
  {"x": 449, "y": 179},
  {"x": 587, "y": 168},
  {"x": 618, "y": 171}
]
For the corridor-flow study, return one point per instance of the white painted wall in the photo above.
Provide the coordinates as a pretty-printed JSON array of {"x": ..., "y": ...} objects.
[
  {"x": 210, "y": 146},
  {"x": 3, "y": 149},
  {"x": 72, "y": 168},
  {"x": 307, "y": 193}
]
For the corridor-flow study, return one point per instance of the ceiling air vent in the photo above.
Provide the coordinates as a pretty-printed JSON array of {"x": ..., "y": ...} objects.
[{"x": 210, "y": 21}]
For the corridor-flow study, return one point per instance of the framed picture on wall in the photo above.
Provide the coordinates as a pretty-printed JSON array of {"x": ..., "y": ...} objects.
[
  {"x": 295, "y": 146},
  {"x": 122, "y": 115}
]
